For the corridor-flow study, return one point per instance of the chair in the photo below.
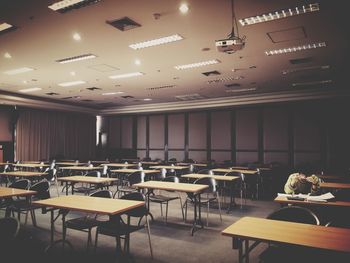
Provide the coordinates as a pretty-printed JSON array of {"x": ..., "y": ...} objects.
[
  {"x": 146, "y": 159},
  {"x": 291, "y": 214},
  {"x": 116, "y": 226},
  {"x": 42, "y": 190},
  {"x": 86, "y": 188},
  {"x": 165, "y": 199},
  {"x": 51, "y": 176},
  {"x": 208, "y": 196},
  {"x": 7, "y": 202},
  {"x": 133, "y": 178},
  {"x": 86, "y": 223},
  {"x": 172, "y": 160}
]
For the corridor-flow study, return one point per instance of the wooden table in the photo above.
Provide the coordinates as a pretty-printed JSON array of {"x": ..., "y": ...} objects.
[
  {"x": 229, "y": 179},
  {"x": 85, "y": 179},
  {"x": 24, "y": 174},
  {"x": 10, "y": 192},
  {"x": 147, "y": 163},
  {"x": 244, "y": 171},
  {"x": 284, "y": 200},
  {"x": 70, "y": 164},
  {"x": 120, "y": 165},
  {"x": 331, "y": 177},
  {"x": 81, "y": 168},
  {"x": 335, "y": 185},
  {"x": 274, "y": 231},
  {"x": 87, "y": 204},
  {"x": 129, "y": 171},
  {"x": 30, "y": 165},
  {"x": 195, "y": 189},
  {"x": 193, "y": 164}
]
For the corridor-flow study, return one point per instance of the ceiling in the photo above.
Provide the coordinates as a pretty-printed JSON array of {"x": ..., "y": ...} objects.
[{"x": 43, "y": 36}]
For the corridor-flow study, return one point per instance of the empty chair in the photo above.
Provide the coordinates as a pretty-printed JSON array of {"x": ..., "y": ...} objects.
[
  {"x": 163, "y": 199},
  {"x": 210, "y": 195},
  {"x": 118, "y": 228},
  {"x": 291, "y": 214},
  {"x": 133, "y": 178},
  {"x": 6, "y": 203},
  {"x": 88, "y": 222},
  {"x": 86, "y": 188},
  {"x": 51, "y": 176}
]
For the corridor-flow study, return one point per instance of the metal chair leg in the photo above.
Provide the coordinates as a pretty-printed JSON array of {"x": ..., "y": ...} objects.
[{"x": 149, "y": 236}]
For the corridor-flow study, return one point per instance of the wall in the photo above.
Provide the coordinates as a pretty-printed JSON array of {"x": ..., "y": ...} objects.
[
  {"x": 7, "y": 118},
  {"x": 293, "y": 134}
]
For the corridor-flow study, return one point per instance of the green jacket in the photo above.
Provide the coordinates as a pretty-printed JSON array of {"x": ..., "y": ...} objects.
[{"x": 295, "y": 186}]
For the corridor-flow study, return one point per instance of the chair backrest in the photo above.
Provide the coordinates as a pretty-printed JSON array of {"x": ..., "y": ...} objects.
[
  {"x": 94, "y": 174},
  {"x": 102, "y": 193},
  {"x": 205, "y": 171},
  {"x": 136, "y": 177},
  {"x": 295, "y": 214},
  {"x": 9, "y": 228},
  {"x": 139, "y": 211},
  {"x": 342, "y": 194},
  {"x": 42, "y": 188},
  {"x": 21, "y": 184},
  {"x": 146, "y": 159},
  {"x": 50, "y": 174},
  {"x": 172, "y": 179},
  {"x": 172, "y": 160},
  {"x": 210, "y": 181},
  {"x": 105, "y": 171}
]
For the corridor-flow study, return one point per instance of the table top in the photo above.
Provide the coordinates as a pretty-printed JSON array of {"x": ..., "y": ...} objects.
[
  {"x": 31, "y": 165},
  {"x": 9, "y": 192},
  {"x": 216, "y": 177},
  {"x": 5, "y": 163},
  {"x": 120, "y": 164},
  {"x": 194, "y": 164},
  {"x": 244, "y": 171},
  {"x": 170, "y": 167},
  {"x": 81, "y": 168},
  {"x": 23, "y": 173},
  {"x": 100, "y": 162},
  {"x": 86, "y": 179},
  {"x": 284, "y": 200},
  {"x": 262, "y": 229},
  {"x": 246, "y": 168},
  {"x": 70, "y": 163},
  {"x": 335, "y": 185},
  {"x": 99, "y": 205},
  {"x": 134, "y": 170},
  {"x": 180, "y": 187},
  {"x": 148, "y": 163}
]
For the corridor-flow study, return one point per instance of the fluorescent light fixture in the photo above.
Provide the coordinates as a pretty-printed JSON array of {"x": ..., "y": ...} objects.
[
  {"x": 198, "y": 64},
  {"x": 137, "y": 62},
  {"x": 71, "y": 83},
  {"x": 311, "y": 83},
  {"x": 112, "y": 93},
  {"x": 76, "y": 58},
  {"x": 127, "y": 75},
  {"x": 279, "y": 14},
  {"x": 240, "y": 90},
  {"x": 18, "y": 71},
  {"x": 5, "y": 26},
  {"x": 295, "y": 49},
  {"x": 219, "y": 80},
  {"x": 289, "y": 71},
  {"x": 30, "y": 90},
  {"x": 184, "y": 8},
  {"x": 76, "y": 37},
  {"x": 156, "y": 42},
  {"x": 65, "y": 5},
  {"x": 147, "y": 99},
  {"x": 7, "y": 55}
]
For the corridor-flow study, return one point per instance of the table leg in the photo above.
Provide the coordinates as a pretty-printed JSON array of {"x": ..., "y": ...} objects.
[
  {"x": 232, "y": 197},
  {"x": 197, "y": 219},
  {"x": 246, "y": 244}
]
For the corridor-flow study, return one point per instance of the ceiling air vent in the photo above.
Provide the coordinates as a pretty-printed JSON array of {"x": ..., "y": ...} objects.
[
  {"x": 68, "y": 5},
  {"x": 233, "y": 85},
  {"x": 312, "y": 83},
  {"x": 123, "y": 24},
  {"x": 87, "y": 100},
  {"x": 161, "y": 87},
  {"x": 211, "y": 73},
  {"x": 194, "y": 96},
  {"x": 225, "y": 79},
  {"x": 52, "y": 93},
  {"x": 300, "y": 60}
]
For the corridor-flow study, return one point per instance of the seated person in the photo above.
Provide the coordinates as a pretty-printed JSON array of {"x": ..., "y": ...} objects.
[{"x": 299, "y": 183}]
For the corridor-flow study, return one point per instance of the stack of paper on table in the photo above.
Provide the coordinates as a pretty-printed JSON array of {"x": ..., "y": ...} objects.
[{"x": 308, "y": 197}]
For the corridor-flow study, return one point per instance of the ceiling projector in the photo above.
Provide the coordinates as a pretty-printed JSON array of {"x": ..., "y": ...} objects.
[{"x": 230, "y": 45}]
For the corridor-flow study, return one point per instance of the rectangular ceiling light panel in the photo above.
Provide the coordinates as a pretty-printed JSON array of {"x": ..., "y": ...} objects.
[
  {"x": 127, "y": 75},
  {"x": 30, "y": 90},
  {"x": 156, "y": 42},
  {"x": 5, "y": 26},
  {"x": 295, "y": 49},
  {"x": 76, "y": 58},
  {"x": 275, "y": 15},
  {"x": 67, "y": 5},
  {"x": 198, "y": 64},
  {"x": 18, "y": 71},
  {"x": 71, "y": 83}
]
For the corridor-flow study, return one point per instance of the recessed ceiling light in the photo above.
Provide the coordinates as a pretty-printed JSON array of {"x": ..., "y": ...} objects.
[
  {"x": 147, "y": 99},
  {"x": 109, "y": 93},
  {"x": 156, "y": 42},
  {"x": 184, "y": 8},
  {"x": 18, "y": 71},
  {"x": 76, "y": 58},
  {"x": 295, "y": 49},
  {"x": 137, "y": 62},
  {"x": 5, "y": 26},
  {"x": 76, "y": 37},
  {"x": 72, "y": 73},
  {"x": 30, "y": 90},
  {"x": 66, "y": 5},
  {"x": 198, "y": 64},
  {"x": 127, "y": 75},
  {"x": 71, "y": 83},
  {"x": 25, "y": 82},
  {"x": 7, "y": 55},
  {"x": 279, "y": 14}
]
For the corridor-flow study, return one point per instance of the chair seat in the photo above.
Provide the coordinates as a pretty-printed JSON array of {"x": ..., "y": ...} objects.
[
  {"x": 81, "y": 223},
  {"x": 113, "y": 229},
  {"x": 162, "y": 198}
]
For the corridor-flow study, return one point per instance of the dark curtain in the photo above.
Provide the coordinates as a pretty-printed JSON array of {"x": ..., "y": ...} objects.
[{"x": 48, "y": 134}]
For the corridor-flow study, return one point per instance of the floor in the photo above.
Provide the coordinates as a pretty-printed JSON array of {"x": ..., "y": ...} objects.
[{"x": 171, "y": 242}]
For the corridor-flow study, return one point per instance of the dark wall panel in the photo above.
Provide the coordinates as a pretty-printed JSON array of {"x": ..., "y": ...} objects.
[
  {"x": 156, "y": 154},
  {"x": 5, "y": 126},
  {"x": 220, "y": 156},
  {"x": 179, "y": 155},
  {"x": 141, "y": 154},
  {"x": 275, "y": 127},
  {"x": 199, "y": 156},
  {"x": 221, "y": 130},
  {"x": 307, "y": 131},
  {"x": 176, "y": 131},
  {"x": 301, "y": 159},
  {"x": 280, "y": 157},
  {"x": 197, "y": 134},
  {"x": 156, "y": 131},
  {"x": 114, "y": 132},
  {"x": 247, "y": 129},
  {"x": 246, "y": 157},
  {"x": 126, "y": 124},
  {"x": 141, "y": 132}
]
